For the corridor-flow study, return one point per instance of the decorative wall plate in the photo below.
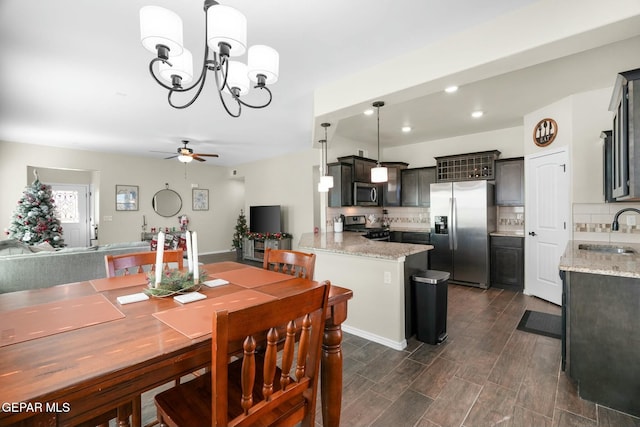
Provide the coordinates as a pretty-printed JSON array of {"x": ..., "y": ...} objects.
[{"x": 545, "y": 132}]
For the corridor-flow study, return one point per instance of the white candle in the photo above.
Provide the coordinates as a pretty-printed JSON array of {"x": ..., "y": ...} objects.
[
  {"x": 159, "y": 258},
  {"x": 196, "y": 269},
  {"x": 187, "y": 236}
]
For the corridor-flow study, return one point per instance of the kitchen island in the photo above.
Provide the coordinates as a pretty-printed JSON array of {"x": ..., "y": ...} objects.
[
  {"x": 601, "y": 333},
  {"x": 379, "y": 273}
]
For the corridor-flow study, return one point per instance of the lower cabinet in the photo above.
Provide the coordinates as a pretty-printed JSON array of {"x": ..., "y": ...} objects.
[
  {"x": 507, "y": 262},
  {"x": 253, "y": 249}
]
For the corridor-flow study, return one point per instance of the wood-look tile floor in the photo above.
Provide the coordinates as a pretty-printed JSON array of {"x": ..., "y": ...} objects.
[{"x": 487, "y": 373}]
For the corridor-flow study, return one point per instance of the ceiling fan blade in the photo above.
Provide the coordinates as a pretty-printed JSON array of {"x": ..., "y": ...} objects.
[
  {"x": 171, "y": 157},
  {"x": 195, "y": 157},
  {"x": 205, "y": 155}
]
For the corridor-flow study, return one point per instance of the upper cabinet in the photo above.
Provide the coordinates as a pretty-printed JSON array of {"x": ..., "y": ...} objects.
[
  {"x": 625, "y": 161},
  {"x": 342, "y": 192},
  {"x": 361, "y": 167},
  {"x": 416, "y": 186},
  {"x": 391, "y": 188},
  {"x": 509, "y": 175}
]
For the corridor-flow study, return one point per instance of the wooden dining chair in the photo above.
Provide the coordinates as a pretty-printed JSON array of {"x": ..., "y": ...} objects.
[
  {"x": 137, "y": 262},
  {"x": 252, "y": 390},
  {"x": 299, "y": 264}
]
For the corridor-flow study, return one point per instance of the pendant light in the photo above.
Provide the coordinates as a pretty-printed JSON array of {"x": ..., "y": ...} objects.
[
  {"x": 379, "y": 173},
  {"x": 326, "y": 181}
]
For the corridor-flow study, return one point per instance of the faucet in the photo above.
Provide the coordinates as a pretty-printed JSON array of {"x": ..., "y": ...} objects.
[{"x": 614, "y": 225}]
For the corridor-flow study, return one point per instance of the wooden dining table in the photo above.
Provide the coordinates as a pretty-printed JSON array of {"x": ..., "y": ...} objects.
[{"x": 111, "y": 352}]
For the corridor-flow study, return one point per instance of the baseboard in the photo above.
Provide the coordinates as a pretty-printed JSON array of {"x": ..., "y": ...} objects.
[{"x": 396, "y": 345}]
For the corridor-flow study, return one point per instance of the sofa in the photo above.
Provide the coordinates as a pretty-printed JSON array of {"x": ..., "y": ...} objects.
[{"x": 27, "y": 267}]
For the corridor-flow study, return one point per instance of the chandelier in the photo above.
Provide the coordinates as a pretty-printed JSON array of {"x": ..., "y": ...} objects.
[
  {"x": 326, "y": 181},
  {"x": 379, "y": 173},
  {"x": 225, "y": 37}
]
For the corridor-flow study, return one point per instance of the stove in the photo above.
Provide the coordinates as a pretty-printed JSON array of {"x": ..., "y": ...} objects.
[{"x": 358, "y": 224}]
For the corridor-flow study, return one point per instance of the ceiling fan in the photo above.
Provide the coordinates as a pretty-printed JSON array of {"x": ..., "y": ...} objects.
[{"x": 186, "y": 154}]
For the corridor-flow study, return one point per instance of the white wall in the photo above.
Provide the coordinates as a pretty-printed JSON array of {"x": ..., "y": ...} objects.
[
  {"x": 287, "y": 181},
  {"x": 215, "y": 226}
]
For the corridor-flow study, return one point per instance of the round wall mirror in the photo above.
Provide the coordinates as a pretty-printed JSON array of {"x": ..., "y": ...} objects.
[{"x": 166, "y": 202}]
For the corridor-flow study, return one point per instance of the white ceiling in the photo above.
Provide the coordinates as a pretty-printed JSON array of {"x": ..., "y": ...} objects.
[{"x": 74, "y": 74}]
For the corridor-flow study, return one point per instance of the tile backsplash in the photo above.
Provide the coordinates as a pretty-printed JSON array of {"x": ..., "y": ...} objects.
[
  {"x": 510, "y": 218},
  {"x": 592, "y": 221}
]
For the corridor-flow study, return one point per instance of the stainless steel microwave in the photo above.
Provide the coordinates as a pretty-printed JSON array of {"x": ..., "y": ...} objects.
[{"x": 365, "y": 194}]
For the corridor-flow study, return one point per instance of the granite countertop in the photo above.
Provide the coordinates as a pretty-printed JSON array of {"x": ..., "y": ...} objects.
[
  {"x": 585, "y": 261},
  {"x": 354, "y": 244},
  {"x": 507, "y": 233}
]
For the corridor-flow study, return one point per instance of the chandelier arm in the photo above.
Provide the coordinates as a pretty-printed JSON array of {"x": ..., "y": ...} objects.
[
  {"x": 257, "y": 106},
  {"x": 219, "y": 88},
  {"x": 189, "y": 103},
  {"x": 153, "y": 74}
]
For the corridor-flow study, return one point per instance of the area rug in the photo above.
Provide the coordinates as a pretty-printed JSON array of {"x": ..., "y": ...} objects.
[{"x": 549, "y": 325}]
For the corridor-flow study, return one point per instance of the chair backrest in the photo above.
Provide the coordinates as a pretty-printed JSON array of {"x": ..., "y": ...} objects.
[
  {"x": 135, "y": 262},
  {"x": 253, "y": 387},
  {"x": 297, "y": 264}
]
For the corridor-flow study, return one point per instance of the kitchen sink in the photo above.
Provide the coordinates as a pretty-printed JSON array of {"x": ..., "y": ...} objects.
[{"x": 607, "y": 249}]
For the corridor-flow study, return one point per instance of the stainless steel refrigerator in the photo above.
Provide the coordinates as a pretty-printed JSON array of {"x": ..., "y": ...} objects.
[{"x": 462, "y": 216}]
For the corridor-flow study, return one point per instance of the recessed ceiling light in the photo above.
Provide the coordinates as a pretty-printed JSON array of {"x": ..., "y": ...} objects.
[
  {"x": 451, "y": 89},
  {"x": 406, "y": 129},
  {"x": 477, "y": 114},
  {"x": 368, "y": 112}
]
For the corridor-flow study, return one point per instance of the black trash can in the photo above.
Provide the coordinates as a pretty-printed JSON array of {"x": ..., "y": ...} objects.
[{"x": 430, "y": 305}]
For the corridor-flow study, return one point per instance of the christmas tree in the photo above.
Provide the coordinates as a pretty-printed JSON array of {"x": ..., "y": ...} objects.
[
  {"x": 241, "y": 230},
  {"x": 34, "y": 220}
]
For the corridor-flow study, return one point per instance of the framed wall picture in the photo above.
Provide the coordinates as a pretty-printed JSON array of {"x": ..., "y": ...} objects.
[
  {"x": 126, "y": 197},
  {"x": 200, "y": 199}
]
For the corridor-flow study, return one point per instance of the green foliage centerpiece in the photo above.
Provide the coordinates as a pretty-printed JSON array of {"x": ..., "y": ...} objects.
[{"x": 172, "y": 282}]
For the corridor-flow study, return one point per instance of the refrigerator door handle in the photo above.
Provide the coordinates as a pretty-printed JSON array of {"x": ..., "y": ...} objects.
[{"x": 454, "y": 224}]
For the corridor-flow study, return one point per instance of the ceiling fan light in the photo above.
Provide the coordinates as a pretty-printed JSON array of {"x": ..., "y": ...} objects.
[
  {"x": 327, "y": 181},
  {"x": 185, "y": 159},
  {"x": 238, "y": 77},
  {"x": 379, "y": 174},
  {"x": 160, "y": 26},
  {"x": 263, "y": 60},
  {"x": 226, "y": 25},
  {"x": 181, "y": 65}
]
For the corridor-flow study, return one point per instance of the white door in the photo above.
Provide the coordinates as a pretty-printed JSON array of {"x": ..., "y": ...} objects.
[
  {"x": 72, "y": 206},
  {"x": 546, "y": 223}
]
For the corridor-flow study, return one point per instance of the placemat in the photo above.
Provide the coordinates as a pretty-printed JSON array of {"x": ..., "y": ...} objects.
[
  {"x": 194, "y": 319},
  {"x": 118, "y": 282},
  {"x": 52, "y": 318},
  {"x": 251, "y": 277},
  {"x": 222, "y": 266}
]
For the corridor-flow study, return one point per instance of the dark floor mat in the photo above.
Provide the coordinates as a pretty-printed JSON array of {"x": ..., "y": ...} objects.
[{"x": 549, "y": 325}]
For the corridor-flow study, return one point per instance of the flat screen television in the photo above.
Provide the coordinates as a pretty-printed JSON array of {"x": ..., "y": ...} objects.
[{"x": 265, "y": 219}]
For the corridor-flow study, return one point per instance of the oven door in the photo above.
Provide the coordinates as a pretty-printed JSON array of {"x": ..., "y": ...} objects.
[{"x": 365, "y": 194}]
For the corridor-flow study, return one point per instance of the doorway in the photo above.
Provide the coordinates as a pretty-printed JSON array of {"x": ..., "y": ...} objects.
[
  {"x": 547, "y": 223},
  {"x": 72, "y": 206}
]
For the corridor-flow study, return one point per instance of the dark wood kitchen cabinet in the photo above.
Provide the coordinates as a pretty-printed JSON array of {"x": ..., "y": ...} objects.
[
  {"x": 625, "y": 104},
  {"x": 415, "y": 186},
  {"x": 391, "y": 188},
  {"x": 342, "y": 192},
  {"x": 361, "y": 167},
  {"x": 507, "y": 262},
  {"x": 509, "y": 175}
]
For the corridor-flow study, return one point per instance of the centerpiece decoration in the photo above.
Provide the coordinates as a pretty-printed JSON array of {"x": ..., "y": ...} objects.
[{"x": 172, "y": 282}]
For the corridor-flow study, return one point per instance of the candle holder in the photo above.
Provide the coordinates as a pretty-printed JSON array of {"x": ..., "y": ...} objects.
[{"x": 172, "y": 282}]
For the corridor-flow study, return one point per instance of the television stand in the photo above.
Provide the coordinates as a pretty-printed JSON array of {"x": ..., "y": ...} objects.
[{"x": 253, "y": 249}]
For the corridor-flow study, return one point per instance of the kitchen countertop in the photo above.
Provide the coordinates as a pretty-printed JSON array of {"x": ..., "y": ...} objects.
[
  {"x": 584, "y": 261},
  {"x": 354, "y": 244}
]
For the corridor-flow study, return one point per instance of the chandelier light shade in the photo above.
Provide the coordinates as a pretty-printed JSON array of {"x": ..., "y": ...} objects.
[
  {"x": 226, "y": 26},
  {"x": 379, "y": 173},
  {"x": 225, "y": 37}
]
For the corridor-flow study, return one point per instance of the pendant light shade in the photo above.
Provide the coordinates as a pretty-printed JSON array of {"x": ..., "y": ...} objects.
[
  {"x": 379, "y": 173},
  {"x": 227, "y": 25},
  {"x": 322, "y": 188},
  {"x": 326, "y": 181}
]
